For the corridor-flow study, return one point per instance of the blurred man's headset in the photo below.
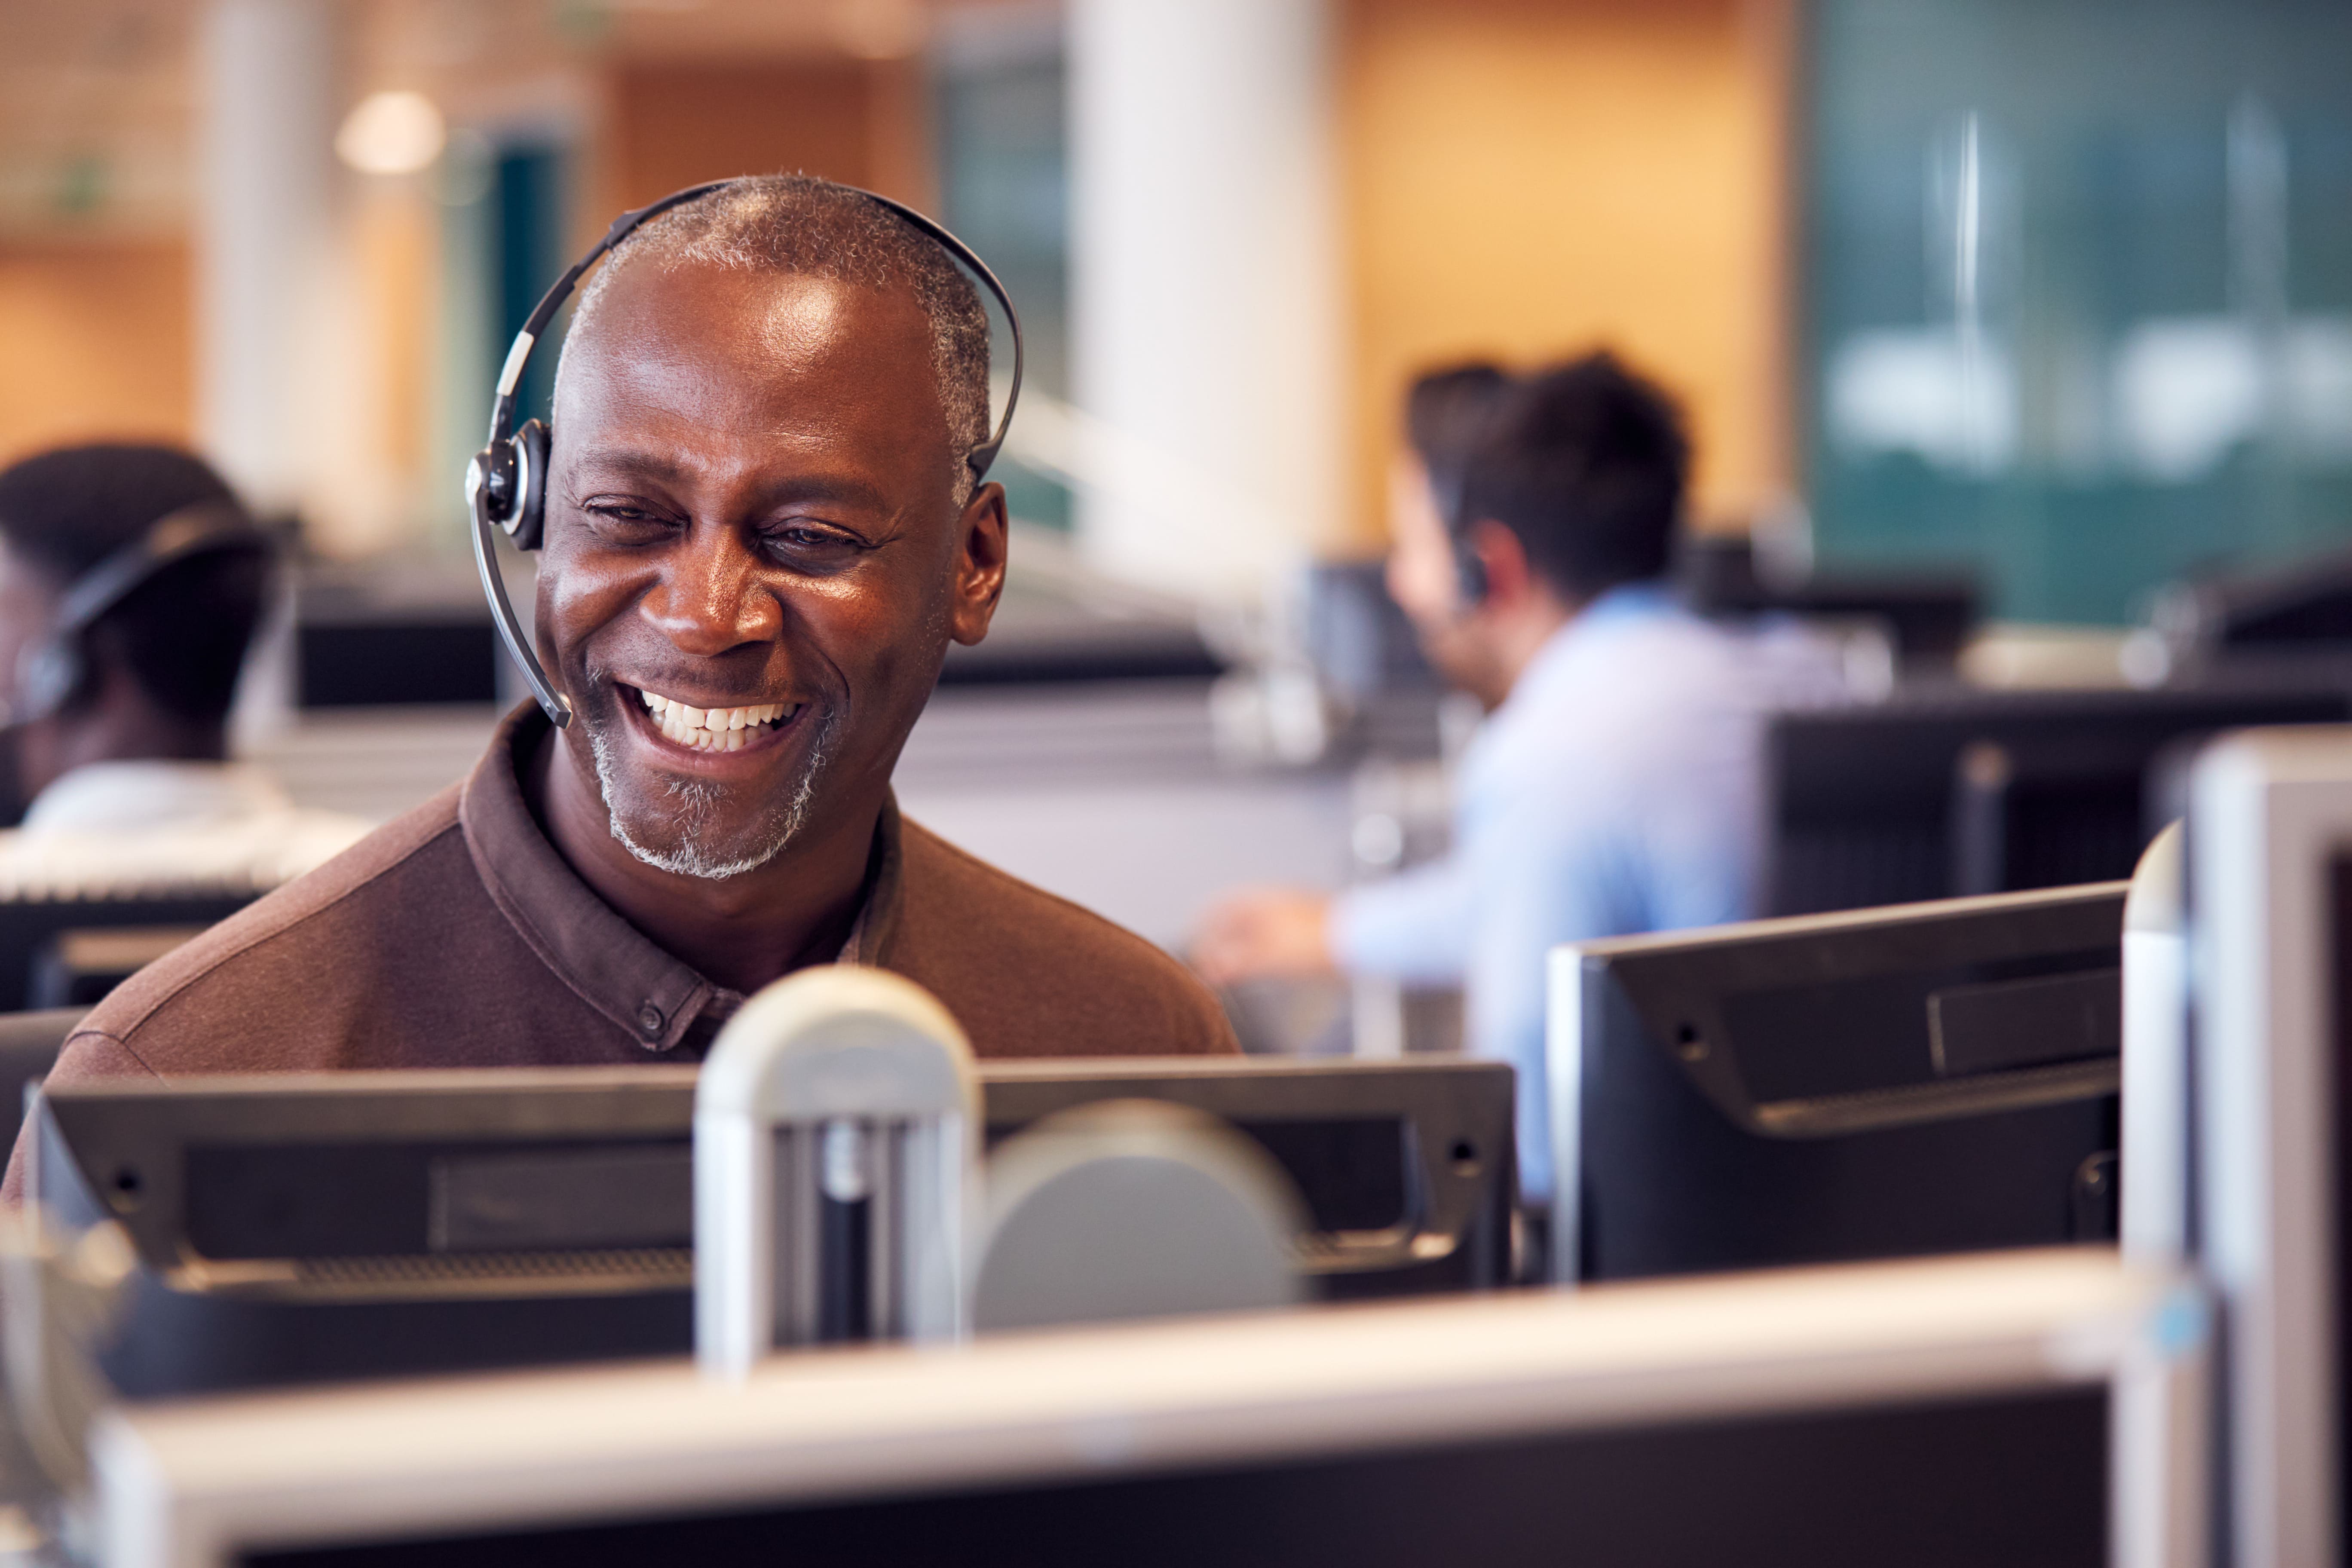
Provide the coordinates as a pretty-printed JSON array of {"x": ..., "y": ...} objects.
[
  {"x": 1446, "y": 490},
  {"x": 51, "y": 668},
  {"x": 506, "y": 482}
]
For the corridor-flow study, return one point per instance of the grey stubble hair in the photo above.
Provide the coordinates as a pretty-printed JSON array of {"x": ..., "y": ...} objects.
[{"x": 695, "y": 799}]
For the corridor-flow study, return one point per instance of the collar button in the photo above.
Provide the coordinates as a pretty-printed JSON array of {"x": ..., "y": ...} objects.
[{"x": 650, "y": 1021}]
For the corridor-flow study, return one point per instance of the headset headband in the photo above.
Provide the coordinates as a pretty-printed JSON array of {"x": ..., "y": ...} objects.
[
  {"x": 49, "y": 669},
  {"x": 196, "y": 529},
  {"x": 506, "y": 482}
]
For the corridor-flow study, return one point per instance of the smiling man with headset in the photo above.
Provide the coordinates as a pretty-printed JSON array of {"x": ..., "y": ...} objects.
[{"x": 763, "y": 518}]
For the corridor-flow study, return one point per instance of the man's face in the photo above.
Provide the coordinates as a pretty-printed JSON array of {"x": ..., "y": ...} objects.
[{"x": 754, "y": 557}]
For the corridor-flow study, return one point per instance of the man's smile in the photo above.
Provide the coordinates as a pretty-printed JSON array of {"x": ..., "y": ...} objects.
[{"x": 732, "y": 729}]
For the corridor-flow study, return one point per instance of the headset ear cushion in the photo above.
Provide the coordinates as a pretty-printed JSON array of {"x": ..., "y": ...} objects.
[
  {"x": 1470, "y": 567},
  {"x": 529, "y": 528},
  {"x": 45, "y": 677}
]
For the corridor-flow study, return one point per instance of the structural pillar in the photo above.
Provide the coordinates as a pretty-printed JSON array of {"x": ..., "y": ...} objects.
[
  {"x": 265, "y": 245},
  {"x": 1205, "y": 285}
]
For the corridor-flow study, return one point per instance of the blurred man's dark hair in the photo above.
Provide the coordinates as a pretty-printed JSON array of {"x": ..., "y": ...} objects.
[
  {"x": 182, "y": 635},
  {"x": 1586, "y": 463},
  {"x": 1445, "y": 413}
]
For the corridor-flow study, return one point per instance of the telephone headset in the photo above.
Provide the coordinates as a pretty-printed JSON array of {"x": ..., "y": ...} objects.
[
  {"x": 50, "y": 670},
  {"x": 1469, "y": 567},
  {"x": 506, "y": 482}
]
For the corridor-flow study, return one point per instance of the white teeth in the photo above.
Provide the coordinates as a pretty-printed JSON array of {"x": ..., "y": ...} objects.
[{"x": 712, "y": 729}]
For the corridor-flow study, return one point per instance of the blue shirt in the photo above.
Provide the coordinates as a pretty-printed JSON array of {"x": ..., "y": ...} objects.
[{"x": 1616, "y": 790}]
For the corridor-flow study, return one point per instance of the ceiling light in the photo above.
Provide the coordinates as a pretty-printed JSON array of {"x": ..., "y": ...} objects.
[{"x": 391, "y": 133}]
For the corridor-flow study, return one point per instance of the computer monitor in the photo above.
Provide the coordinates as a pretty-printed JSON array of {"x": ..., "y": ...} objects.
[
  {"x": 2302, "y": 610},
  {"x": 37, "y": 972},
  {"x": 378, "y": 636},
  {"x": 344, "y": 1224},
  {"x": 2049, "y": 813},
  {"x": 30, "y": 1044},
  {"x": 1361, "y": 643},
  {"x": 2039, "y": 1408},
  {"x": 1932, "y": 1078},
  {"x": 1927, "y": 617},
  {"x": 2269, "y": 923},
  {"x": 1938, "y": 794}
]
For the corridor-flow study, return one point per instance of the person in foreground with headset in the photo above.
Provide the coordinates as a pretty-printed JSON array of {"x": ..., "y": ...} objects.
[
  {"x": 1613, "y": 787},
  {"x": 132, "y": 584},
  {"x": 764, "y": 517}
]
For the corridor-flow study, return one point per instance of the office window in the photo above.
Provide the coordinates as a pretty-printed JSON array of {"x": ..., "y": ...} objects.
[
  {"x": 505, "y": 234},
  {"x": 2078, "y": 289},
  {"x": 1004, "y": 190}
]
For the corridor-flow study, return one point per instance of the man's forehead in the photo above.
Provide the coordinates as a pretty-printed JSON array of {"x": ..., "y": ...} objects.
[
  {"x": 720, "y": 371},
  {"x": 701, "y": 353},
  {"x": 759, "y": 323}
]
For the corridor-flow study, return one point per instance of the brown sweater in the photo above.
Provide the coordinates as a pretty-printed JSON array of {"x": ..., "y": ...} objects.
[{"x": 457, "y": 936}]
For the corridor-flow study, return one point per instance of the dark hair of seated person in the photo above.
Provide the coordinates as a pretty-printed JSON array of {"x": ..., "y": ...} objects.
[
  {"x": 181, "y": 635},
  {"x": 1444, "y": 414},
  {"x": 1587, "y": 464}
]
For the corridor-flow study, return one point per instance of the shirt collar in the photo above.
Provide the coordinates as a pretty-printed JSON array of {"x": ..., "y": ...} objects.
[
  {"x": 1630, "y": 601},
  {"x": 152, "y": 792},
  {"x": 611, "y": 965},
  {"x": 1627, "y": 605}
]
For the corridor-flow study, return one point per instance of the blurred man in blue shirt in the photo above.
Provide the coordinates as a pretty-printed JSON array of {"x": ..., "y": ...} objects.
[{"x": 1615, "y": 785}]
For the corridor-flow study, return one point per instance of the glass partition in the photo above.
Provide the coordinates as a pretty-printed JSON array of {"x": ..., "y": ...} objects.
[{"x": 2078, "y": 290}]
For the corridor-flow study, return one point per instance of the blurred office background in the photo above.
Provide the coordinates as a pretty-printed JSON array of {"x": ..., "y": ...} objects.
[{"x": 2036, "y": 318}]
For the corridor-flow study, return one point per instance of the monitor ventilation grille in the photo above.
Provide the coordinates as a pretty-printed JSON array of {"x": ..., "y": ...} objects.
[{"x": 642, "y": 1263}]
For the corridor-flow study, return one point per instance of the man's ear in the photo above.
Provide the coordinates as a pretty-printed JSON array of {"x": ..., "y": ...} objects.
[
  {"x": 983, "y": 535},
  {"x": 1509, "y": 576}
]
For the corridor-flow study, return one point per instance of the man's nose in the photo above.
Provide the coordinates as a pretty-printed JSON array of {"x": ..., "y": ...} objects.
[{"x": 712, "y": 596}]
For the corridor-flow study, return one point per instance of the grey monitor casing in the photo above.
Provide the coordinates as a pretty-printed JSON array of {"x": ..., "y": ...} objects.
[
  {"x": 2270, "y": 900},
  {"x": 332, "y": 1225},
  {"x": 2157, "y": 1101},
  {"x": 1678, "y": 1421},
  {"x": 1927, "y": 1077}
]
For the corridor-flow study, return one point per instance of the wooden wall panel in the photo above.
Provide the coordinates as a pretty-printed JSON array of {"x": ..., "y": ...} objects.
[
  {"x": 671, "y": 124},
  {"x": 1529, "y": 178},
  {"x": 99, "y": 342}
]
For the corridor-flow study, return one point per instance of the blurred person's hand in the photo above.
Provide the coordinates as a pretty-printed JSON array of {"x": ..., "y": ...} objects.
[{"x": 1264, "y": 933}]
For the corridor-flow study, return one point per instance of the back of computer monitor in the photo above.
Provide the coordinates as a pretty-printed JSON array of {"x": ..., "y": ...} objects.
[
  {"x": 1951, "y": 792},
  {"x": 1936, "y": 1078},
  {"x": 330, "y": 1225},
  {"x": 2047, "y": 813},
  {"x": 2269, "y": 920},
  {"x": 1962, "y": 1414},
  {"x": 1407, "y": 1166},
  {"x": 294, "y": 1229},
  {"x": 30, "y": 927}
]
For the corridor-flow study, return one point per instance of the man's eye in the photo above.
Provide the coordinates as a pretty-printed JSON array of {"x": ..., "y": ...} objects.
[
  {"x": 620, "y": 515},
  {"x": 803, "y": 543}
]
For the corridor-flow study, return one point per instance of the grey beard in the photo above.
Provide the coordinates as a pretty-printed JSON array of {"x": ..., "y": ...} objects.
[{"x": 693, "y": 801}]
